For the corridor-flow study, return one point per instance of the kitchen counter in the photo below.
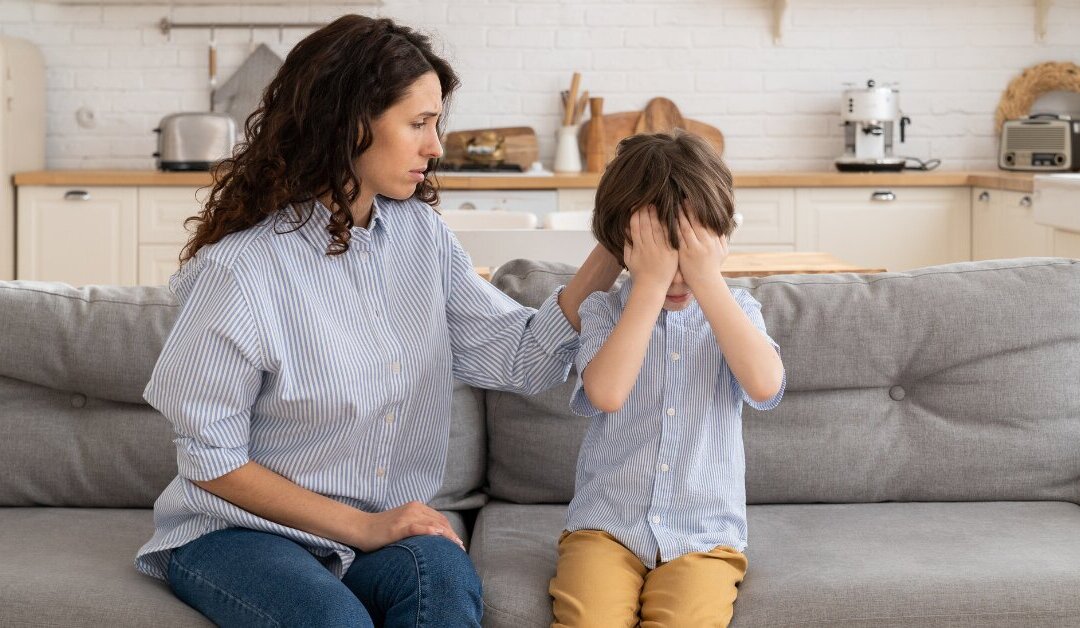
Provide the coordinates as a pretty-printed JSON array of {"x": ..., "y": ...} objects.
[{"x": 997, "y": 180}]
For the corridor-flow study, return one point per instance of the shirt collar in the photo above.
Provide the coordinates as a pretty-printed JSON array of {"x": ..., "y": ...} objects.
[{"x": 314, "y": 229}]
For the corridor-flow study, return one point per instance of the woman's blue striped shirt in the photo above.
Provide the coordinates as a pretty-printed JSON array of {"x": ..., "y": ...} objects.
[{"x": 335, "y": 371}]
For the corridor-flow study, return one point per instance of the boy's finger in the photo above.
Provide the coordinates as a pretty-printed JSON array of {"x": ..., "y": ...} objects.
[{"x": 686, "y": 230}]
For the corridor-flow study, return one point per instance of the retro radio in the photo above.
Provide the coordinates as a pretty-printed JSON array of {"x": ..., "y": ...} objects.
[{"x": 1038, "y": 143}]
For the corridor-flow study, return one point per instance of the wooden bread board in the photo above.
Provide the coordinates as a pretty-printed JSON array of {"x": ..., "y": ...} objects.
[{"x": 618, "y": 126}]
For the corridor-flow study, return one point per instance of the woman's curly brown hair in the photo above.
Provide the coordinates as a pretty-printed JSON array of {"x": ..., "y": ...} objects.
[{"x": 301, "y": 143}]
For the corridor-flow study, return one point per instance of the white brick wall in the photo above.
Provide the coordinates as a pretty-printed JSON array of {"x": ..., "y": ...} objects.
[{"x": 777, "y": 103}]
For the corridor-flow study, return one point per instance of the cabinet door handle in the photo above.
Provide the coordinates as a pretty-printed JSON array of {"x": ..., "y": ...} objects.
[
  {"x": 1025, "y": 201},
  {"x": 883, "y": 195},
  {"x": 76, "y": 195},
  {"x": 985, "y": 196}
]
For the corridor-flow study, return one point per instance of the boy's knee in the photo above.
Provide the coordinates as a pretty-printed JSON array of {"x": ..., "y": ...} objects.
[{"x": 590, "y": 616}]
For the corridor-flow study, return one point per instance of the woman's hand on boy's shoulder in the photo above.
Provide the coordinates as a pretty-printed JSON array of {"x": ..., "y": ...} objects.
[
  {"x": 702, "y": 254},
  {"x": 648, "y": 253}
]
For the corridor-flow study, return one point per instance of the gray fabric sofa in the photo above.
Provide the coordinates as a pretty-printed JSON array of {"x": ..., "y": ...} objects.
[{"x": 923, "y": 469}]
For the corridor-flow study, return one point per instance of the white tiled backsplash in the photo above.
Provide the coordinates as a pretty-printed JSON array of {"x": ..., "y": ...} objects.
[{"x": 777, "y": 103}]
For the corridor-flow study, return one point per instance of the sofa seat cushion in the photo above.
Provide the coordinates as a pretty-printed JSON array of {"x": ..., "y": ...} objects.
[
  {"x": 74, "y": 567},
  {"x": 885, "y": 564}
]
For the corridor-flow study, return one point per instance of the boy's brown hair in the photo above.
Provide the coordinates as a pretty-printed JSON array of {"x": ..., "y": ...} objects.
[{"x": 677, "y": 172}]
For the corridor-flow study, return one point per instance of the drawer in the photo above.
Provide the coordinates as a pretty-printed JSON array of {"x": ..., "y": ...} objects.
[
  {"x": 163, "y": 210},
  {"x": 157, "y": 262},
  {"x": 768, "y": 217},
  {"x": 575, "y": 200},
  {"x": 538, "y": 202}
]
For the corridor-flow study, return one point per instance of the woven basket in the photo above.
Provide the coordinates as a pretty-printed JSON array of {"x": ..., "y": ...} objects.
[{"x": 1033, "y": 82}]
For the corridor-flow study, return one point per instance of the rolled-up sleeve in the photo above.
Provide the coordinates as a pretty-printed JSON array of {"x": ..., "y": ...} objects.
[
  {"x": 498, "y": 343},
  {"x": 597, "y": 323},
  {"x": 752, "y": 308},
  {"x": 208, "y": 376}
]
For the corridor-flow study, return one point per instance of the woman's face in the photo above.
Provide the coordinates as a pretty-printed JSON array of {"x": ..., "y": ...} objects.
[{"x": 404, "y": 139}]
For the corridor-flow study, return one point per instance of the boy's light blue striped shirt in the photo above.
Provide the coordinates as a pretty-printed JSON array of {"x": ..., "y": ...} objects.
[
  {"x": 665, "y": 474},
  {"x": 333, "y": 371}
]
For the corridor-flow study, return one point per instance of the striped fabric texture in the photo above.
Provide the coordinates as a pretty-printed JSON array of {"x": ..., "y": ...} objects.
[
  {"x": 335, "y": 371},
  {"x": 665, "y": 474}
]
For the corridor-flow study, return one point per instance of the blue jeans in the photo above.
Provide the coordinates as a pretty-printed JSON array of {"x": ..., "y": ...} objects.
[{"x": 241, "y": 577}]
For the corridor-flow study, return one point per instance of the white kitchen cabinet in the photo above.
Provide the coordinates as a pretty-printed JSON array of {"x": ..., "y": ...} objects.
[
  {"x": 157, "y": 262},
  {"x": 1066, "y": 244},
  {"x": 536, "y": 202},
  {"x": 1002, "y": 225},
  {"x": 163, "y": 210},
  {"x": 576, "y": 200},
  {"x": 768, "y": 220},
  {"x": 895, "y": 229},
  {"x": 162, "y": 235},
  {"x": 80, "y": 236},
  {"x": 768, "y": 216}
]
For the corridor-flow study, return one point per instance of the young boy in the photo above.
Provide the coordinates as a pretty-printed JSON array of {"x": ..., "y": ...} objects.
[{"x": 657, "y": 527}]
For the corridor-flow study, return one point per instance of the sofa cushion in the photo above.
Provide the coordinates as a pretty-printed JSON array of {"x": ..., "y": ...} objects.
[
  {"x": 73, "y": 567},
  {"x": 76, "y": 429},
  {"x": 63, "y": 448},
  {"x": 533, "y": 440},
  {"x": 98, "y": 340},
  {"x": 926, "y": 564},
  {"x": 949, "y": 383}
]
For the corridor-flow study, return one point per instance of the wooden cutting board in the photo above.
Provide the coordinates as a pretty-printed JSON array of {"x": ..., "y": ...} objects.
[
  {"x": 519, "y": 145},
  {"x": 660, "y": 116},
  {"x": 663, "y": 119}
]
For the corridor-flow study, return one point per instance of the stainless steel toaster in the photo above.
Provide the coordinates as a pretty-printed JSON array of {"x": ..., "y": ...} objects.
[{"x": 195, "y": 140}]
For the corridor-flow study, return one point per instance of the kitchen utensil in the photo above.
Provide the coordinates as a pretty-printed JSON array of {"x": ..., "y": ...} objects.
[
  {"x": 241, "y": 94},
  {"x": 595, "y": 157},
  {"x": 518, "y": 144},
  {"x": 579, "y": 108},
  {"x": 568, "y": 111},
  {"x": 194, "y": 141},
  {"x": 868, "y": 115},
  {"x": 212, "y": 67}
]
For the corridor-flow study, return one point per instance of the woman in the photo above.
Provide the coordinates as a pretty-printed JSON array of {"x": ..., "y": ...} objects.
[{"x": 325, "y": 311}]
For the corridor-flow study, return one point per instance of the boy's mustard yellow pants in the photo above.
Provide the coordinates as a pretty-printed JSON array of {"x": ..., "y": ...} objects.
[{"x": 600, "y": 583}]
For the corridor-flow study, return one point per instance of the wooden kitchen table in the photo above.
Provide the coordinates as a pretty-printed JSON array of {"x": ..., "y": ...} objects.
[{"x": 806, "y": 262}]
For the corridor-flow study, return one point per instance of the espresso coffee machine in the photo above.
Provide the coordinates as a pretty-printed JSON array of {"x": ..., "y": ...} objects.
[{"x": 869, "y": 115}]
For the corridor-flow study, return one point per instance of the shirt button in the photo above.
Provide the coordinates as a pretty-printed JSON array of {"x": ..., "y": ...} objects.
[
  {"x": 364, "y": 255},
  {"x": 671, "y": 411},
  {"x": 664, "y": 467},
  {"x": 380, "y": 472},
  {"x": 656, "y": 519},
  {"x": 674, "y": 355},
  {"x": 390, "y": 417},
  {"x": 395, "y": 367}
]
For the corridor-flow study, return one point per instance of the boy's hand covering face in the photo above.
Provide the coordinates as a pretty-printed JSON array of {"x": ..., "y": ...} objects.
[
  {"x": 647, "y": 252},
  {"x": 701, "y": 253}
]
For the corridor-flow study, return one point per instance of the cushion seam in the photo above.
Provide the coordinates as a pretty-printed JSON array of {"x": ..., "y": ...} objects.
[{"x": 87, "y": 300}]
